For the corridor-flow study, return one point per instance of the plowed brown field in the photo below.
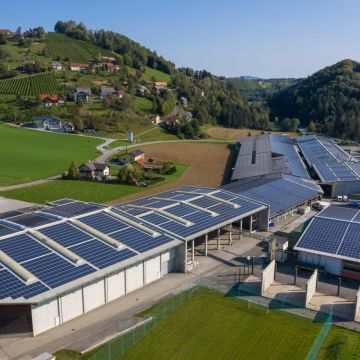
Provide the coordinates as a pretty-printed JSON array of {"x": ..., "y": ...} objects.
[{"x": 207, "y": 164}]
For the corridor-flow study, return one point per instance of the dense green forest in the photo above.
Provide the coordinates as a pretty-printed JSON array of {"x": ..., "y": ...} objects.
[{"x": 330, "y": 98}]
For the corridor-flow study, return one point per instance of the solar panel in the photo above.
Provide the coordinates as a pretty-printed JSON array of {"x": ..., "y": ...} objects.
[
  {"x": 73, "y": 209},
  {"x": 11, "y": 286},
  {"x": 323, "y": 235},
  {"x": 339, "y": 212},
  {"x": 8, "y": 214},
  {"x": 100, "y": 254},
  {"x": 5, "y": 230},
  {"x": 23, "y": 247},
  {"x": 55, "y": 271},
  {"x": 104, "y": 223},
  {"x": 30, "y": 220},
  {"x": 351, "y": 244}
]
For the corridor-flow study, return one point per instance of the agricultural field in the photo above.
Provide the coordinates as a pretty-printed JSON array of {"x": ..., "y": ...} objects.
[
  {"x": 72, "y": 49},
  {"x": 31, "y": 85},
  {"x": 28, "y": 155},
  {"x": 86, "y": 190},
  {"x": 229, "y": 134}
]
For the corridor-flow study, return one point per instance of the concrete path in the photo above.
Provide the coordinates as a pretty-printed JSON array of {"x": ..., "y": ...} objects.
[{"x": 10, "y": 205}]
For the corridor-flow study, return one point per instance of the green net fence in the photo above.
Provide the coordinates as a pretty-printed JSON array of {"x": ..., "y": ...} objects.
[
  {"x": 319, "y": 341},
  {"x": 115, "y": 348}
]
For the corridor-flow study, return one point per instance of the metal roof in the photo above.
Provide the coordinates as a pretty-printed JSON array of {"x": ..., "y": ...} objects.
[
  {"x": 71, "y": 243},
  {"x": 334, "y": 232},
  {"x": 268, "y": 154}
]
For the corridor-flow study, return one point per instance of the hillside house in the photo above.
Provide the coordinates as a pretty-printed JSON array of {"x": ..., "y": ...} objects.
[
  {"x": 137, "y": 155},
  {"x": 6, "y": 32},
  {"x": 112, "y": 67},
  {"x": 160, "y": 85},
  {"x": 82, "y": 94},
  {"x": 47, "y": 122},
  {"x": 108, "y": 58},
  {"x": 57, "y": 66},
  {"x": 94, "y": 171},
  {"x": 111, "y": 92},
  {"x": 49, "y": 100},
  {"x": 78, "y": 67},
  {"x": 156, "y": 120}
]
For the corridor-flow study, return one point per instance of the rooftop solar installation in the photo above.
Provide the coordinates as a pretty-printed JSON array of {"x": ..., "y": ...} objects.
[
  {"x": 30, "y": 220},
  {"x": 202, "y": 208},
  {"x": 73, "y": 209},
  {"x": 268, "y": 154},
  {"x": 284, "y": 194},
  {"x": 8, "y": 214},
  {"x": 62, "y": 202},
  {"x": 335, "y": 232},
  {"x": 329, "y": 161},
  {"x": 71, "y": 240}
]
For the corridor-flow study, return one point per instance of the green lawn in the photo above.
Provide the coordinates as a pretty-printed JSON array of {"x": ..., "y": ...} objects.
[
  {"x": 211, "y": 326},
  {"x": 29, "y": 155},
  {"x": 83, "y": 190},
  {"x": 341, "y": 344},
  {"x": 118, "y": 143},
  {"x": 158, "y": 75},
  {"x": 142, "y": 103}
]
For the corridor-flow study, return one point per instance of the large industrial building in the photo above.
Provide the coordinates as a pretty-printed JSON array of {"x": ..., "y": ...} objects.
[
  {"x": 269, "y": 169},
  {"x": 71, "y": 257},
  {"x": 332, "y": 241},
  {"x": 337, "y": 172}
]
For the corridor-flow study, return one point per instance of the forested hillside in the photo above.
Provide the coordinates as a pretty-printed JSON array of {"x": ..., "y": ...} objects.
[{"x": 330, "y": 98}]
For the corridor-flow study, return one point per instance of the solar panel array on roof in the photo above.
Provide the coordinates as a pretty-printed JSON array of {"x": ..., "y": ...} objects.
[
  {"x": 30, "y": 220},
  {"x": 268, "y": 154},
  {"x": 329, "y": 161},
  {"x": 335, "y": 231},
  {"x": 188, "y": 211},
  {"x": 223, "y": 204},
  {"x": 8, "y": 214},
  {"x": 73, "y": 209},
  {"x": 283, "y": 194}
]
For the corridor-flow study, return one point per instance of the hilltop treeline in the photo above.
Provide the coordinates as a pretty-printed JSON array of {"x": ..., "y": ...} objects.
[
  {"x": 134, "y": 54},
  {"x": 330, "y": 98}
]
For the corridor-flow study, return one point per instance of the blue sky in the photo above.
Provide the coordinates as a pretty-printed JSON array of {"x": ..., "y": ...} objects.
[{"x": 266, "y": 38}]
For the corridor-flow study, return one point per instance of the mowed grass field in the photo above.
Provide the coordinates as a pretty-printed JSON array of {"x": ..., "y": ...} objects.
[
  {"x": 85, "y": 190},
  {"x": 211, "y": 326},
  {"x": 28, "y": 155}
]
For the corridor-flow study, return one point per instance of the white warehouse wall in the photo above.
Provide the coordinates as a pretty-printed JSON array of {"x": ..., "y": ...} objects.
[
  {"x": 77, "y": 302},
  {"x": 330, "y": 264}
]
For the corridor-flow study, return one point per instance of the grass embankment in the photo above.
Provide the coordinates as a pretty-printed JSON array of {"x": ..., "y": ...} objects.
[
  {"x": 84, "y": 190},
  {"x": 28, "y": 155}
]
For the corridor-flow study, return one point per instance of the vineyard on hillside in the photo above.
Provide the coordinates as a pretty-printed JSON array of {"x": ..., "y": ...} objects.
[
  {"x": 62, "y": 46},
  {"x": 32, "y": 85}
]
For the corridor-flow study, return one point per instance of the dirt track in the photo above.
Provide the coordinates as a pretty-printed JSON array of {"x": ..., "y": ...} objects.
[{"x": 207, "y": 165}]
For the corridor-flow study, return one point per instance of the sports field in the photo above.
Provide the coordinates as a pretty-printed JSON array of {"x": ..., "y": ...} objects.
[
  {"x": 211, "y": 326},
  {"x": 28, "y": 155}
]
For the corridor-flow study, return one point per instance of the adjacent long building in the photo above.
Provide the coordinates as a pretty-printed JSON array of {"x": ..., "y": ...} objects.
[{"x": 69, "y": 258}]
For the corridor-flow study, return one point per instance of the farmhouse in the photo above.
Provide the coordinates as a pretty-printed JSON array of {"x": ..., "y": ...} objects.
[
  {"x": 94, "y": 171},
  {"x": 78, "y": 256},
  {"x": 47, "y": 122},
  {"x": 137, "y": 155},
  {"x": 111, "y": 92},
  {"x": 78, "y": 67},
  {"x": 49, "y": 100},
  {"x": 112, "y": 67},
  {"x": 160, "y": 85},
  {"x": 56, "y": 66},
  {"x": 82, "y": 94}
]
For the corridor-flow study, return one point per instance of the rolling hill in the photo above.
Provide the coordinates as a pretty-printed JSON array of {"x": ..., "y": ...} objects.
[{"x": 329, "y": 97}]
